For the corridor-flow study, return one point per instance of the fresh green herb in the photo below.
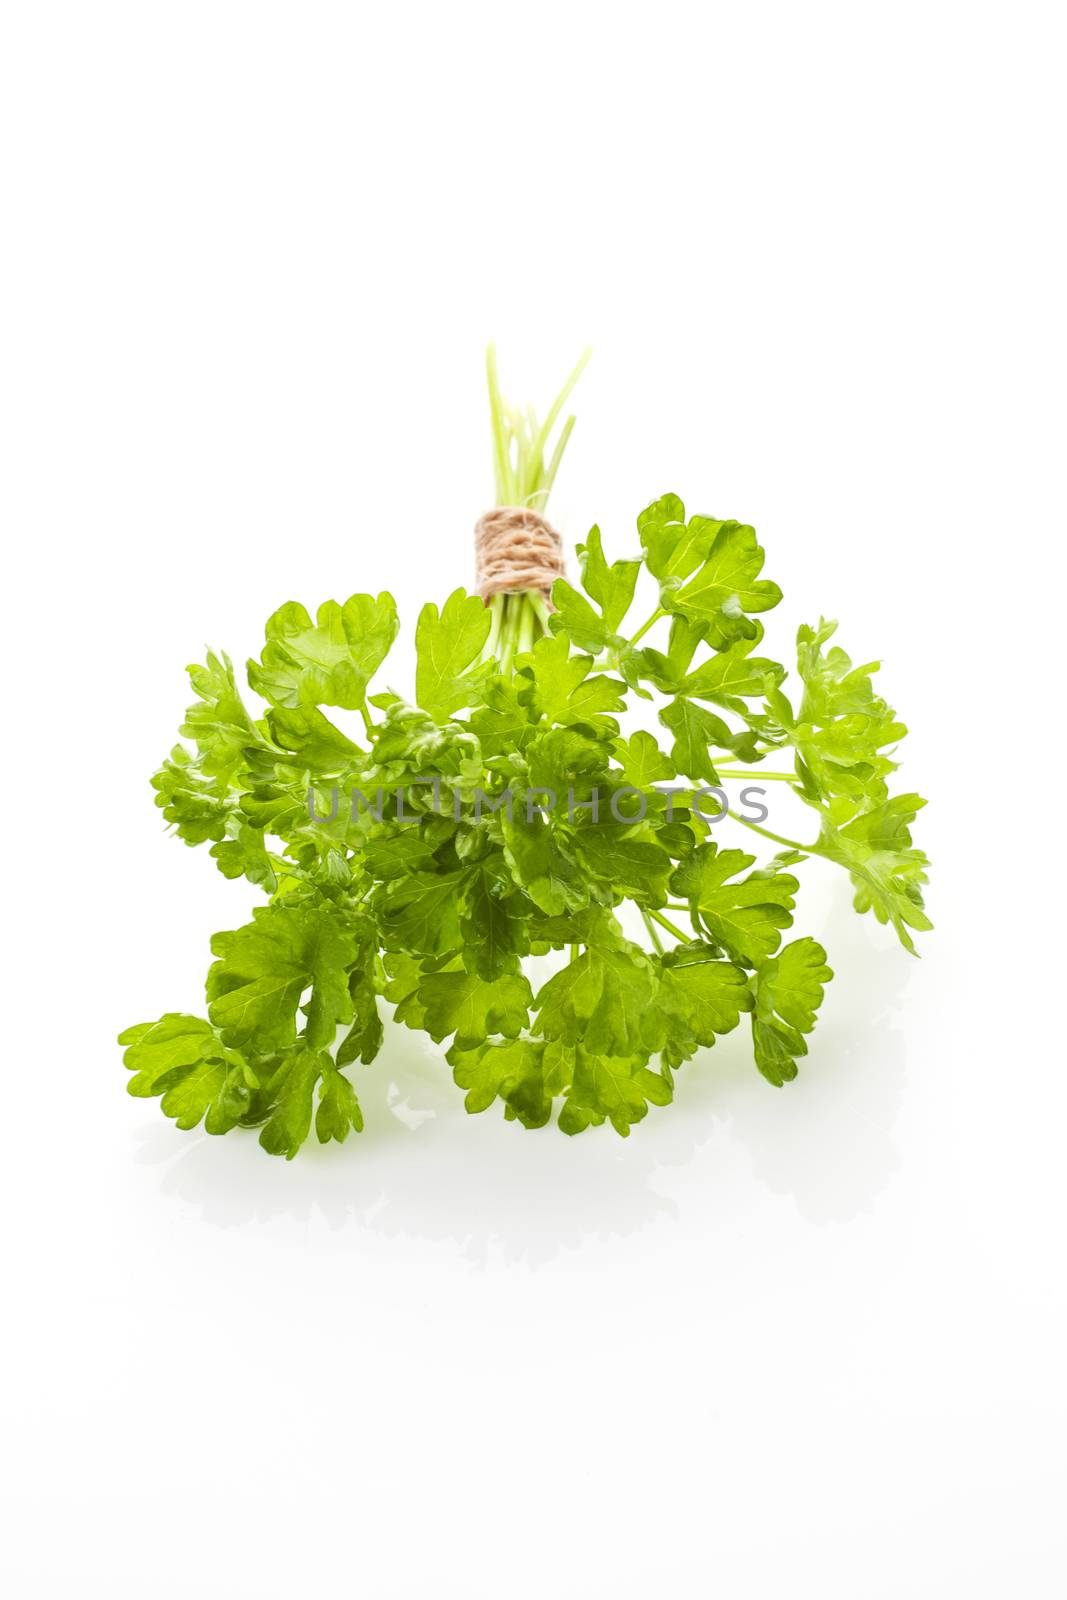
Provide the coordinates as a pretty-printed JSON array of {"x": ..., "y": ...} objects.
[{"x": 408, "y": 854}]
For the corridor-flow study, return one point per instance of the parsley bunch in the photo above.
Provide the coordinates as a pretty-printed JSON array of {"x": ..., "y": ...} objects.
[{"x": 409, "y": 853}]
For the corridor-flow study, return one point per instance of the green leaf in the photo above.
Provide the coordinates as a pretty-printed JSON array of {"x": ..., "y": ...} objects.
[
  {"x": 887, "y": 872},
  {"x": 230, "y": 1104},
  {"x": 218, "y": 722},
  {"x": 694, "y": 730},
  {"x": 612, "y": 587},
  {"x": 563, "y": 758},
  {"x": 243, "y": 854},
  {"x": 788, "y": 992},
  {"x": 686, "y": 635},
  {"x": 600, "y": 1000},
  {"x": 184, "y": 1060},
  {"x": 421, "y": 913},
  {"x": 411, "y": 747},
  {"x": 448, "y": 645},
  {"x": 577, "y": 619},
  {"x": 505, "y": 720},
  {"x": 698, "y": 1000},
  {"x": 190, "y": 1096},
  {"x": 364, "y": 1039},
  {"x": 728, "y": 581},
  {"x": 745, "y": 918},
  {"x": 493, "y": 926},
  {"x": 833, "y": 687},
  {"x": 396, "y": 850},
  {"x": 290, "y": 1120},
  {"x": 197, "y": 793},
  {"x": 404, "y": 974},
  {"x": 673, "y": 547},
  {"x": 542, "y": 866},
  {"x": 194, "y": 803},
  {"x": 595, "y": 629},
  {"x": 329, "y": 661},
  {"x": 255, "y": 986},
  {"x": 615, "y": 1089},
  {"x": 313, "y": 741},
  {"x": 626, "y": 857},
  {"x": 472, "y": 1009},
  {"x": 843, "y": 728},
  {"x": 338, "y": 1109},
  {"x": 154, "y": 1049},
  {"x": 731, "y": 674},
  {"x": 642, "y": 761},
  {"x": 559, "y": 688},
  {"x": 524, "y": 1073}
]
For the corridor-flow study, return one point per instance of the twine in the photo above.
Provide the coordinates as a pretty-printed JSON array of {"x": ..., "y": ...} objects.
[{"x": 516, "y": 549}]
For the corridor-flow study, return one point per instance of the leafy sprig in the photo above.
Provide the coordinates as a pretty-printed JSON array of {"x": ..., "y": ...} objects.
[{"x": 377, "y": 891}]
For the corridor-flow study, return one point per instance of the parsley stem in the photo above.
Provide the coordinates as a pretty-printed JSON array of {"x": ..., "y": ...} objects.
[
  {"x": 777, "y": 838},
  {"x": 537, "y": 601},
  {"x": 665, "y": 922},
  {"x": 492, "y": 644},
  {"x": 556, "y": 407},
  {"x": 368, "y": 721},
  {"x": 650, "y": 927},
  {"x": 757, "y": 772},
  {"x": 527, "y": 623},
  {"x": 522, "y": 475},
  {"x": 653, "y": 619}
]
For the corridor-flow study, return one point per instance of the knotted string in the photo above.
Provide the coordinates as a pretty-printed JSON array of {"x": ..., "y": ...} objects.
[{"x": 516, "y": 549}]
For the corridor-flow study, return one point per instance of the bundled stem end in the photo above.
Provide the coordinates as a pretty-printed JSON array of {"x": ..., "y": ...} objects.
[{"x": 519, "y": 553}]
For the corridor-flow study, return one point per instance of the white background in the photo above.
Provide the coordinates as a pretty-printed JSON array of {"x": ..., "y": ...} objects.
[{"x": 807, "y": 1341}]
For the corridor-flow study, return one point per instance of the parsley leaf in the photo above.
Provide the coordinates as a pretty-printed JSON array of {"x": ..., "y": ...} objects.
[
  {"x": 473, "y": 1008},
  {"x": 611, "y": 587},
  {"x": 745, "y": 917},
  {"x": 448, "y": 644},
  {"x": 617, "y": 1090},
  {"x": 328, "y": 662},
  {"x": 263, "y": 969},
  {"x": 788, "y": 992}
]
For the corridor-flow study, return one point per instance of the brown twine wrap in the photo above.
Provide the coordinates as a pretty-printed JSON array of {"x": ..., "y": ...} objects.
[{"x": 516, "y": 549}]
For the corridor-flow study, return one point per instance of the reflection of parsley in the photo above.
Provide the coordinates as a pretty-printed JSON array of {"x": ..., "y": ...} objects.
[{"x": 436, "y": 915}]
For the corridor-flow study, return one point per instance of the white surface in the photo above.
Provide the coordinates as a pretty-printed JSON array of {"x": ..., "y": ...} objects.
[{"x": 804, "y": 1342}]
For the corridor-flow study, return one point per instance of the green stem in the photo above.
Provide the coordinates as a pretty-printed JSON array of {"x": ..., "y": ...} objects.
[
  {"x": 498, "y": 621},
  {"x": 756, "y": 772},
  {"x": 368, "y": 722},
  {"x": 519, "y": 620},
  {"x": 527, "y": 623},
  {"x": 777, "y": 838},
  {"x": 537, "y": 602},
  {"x": 492, "y": 645},
  {"x": 650, "y": 926},
  {"x": 653, "y": 619},
  {"x": 553, "y": 465},
  {"x": 523, "y": 478},
  {"x": 665, "y": 922},
  {"x": 557, "y": 406},
  {"x": 501, "y": 463},
  {"x": 507, "y": 634}
]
